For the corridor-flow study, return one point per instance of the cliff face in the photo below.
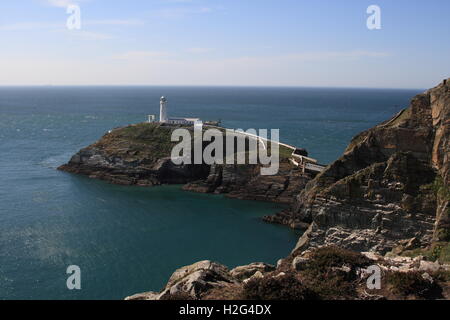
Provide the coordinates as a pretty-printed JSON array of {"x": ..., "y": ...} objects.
[
  {"x": 390, "y": 187},
  {"x": 134, "y": 155},
  {"x": 140, "y": 155},
  {"x": 440, "y": 101},
  {"x": 326, "y": 273},
  {"x": 246, "y": 182},
  {"x": 389, "y": 192}
]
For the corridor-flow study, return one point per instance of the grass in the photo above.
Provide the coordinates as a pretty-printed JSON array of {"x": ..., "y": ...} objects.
[
  {"x": 441, "y": 189},
  {"x": 438, "y": 251},
  {"x": 145, "y": 140},
  {"x": 285, "y": 152},
  {"x": 412, "y": 284},
  {"x": 285, "y": 287},
  {"x": 152, "y": 141},
  {"x": 323, "y": 276}
]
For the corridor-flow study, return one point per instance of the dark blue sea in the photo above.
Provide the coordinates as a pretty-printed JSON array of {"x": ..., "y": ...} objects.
[{"x": 129, "y": 239}]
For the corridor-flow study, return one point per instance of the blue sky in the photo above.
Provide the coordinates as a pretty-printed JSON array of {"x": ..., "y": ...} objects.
[{"x": 225, "y": 42}]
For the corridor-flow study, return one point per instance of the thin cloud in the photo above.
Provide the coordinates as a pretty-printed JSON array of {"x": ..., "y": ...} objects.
[
  {"x": 260, "y": 60},
  {"x": 30, "y": 26},
  {"x": 160, "y": 68},
  {"x": 90, "y": 35},
  {"x": 181, "y": 12},
  {"x": 199, "y": 50},
  {"x": 355, "y": 54},
  {"x": 60, "y": 3},
  {"x": 113, "y": 22},
  {"x": 139, "y": 55}
]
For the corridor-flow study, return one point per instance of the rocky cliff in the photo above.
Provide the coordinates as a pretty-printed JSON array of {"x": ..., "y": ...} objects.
[
  {"x": 387, "y": 197},
  {"x": 246, "y": 182},
  {"x": 390, "y": 189},
  {"x": 140, "y": 155},
  {"x": 325, "y": 273},
  {"x": 134, "y": 155}
]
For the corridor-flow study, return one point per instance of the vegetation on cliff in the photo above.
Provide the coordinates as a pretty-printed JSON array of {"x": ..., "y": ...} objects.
[
  {"x": 140, "y": 155},
  {"x": 387, "y": 194},
  {"x": 389, "y": 191},
  {"x": 145, "y": 140},
  {"x": 327, "y": 273}
]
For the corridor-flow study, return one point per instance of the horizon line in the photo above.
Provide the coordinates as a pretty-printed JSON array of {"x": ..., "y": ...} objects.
[{"x": 206, "y": 86}]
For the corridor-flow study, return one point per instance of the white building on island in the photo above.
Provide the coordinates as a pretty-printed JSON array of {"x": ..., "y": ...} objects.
[{"x": 164, "y": 116}]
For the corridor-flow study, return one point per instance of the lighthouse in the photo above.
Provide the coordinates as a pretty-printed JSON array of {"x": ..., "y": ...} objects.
[
  {"x": 164, "y": 117},
  {"x": 163, "y": 110}
]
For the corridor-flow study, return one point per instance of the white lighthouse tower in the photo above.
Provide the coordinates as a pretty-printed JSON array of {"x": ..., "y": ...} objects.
[
  {"x": 164, "y": 117},
  {"x": 163, "y": 110}
]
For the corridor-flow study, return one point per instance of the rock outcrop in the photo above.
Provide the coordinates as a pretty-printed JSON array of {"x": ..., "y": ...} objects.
[
  {"x": 390, "y": 187},
  {"x": 440, "y": 102},
  {"x": 245, "y": 272},
  {"x": 134, "y": 155},
  {"x": 191, "y": 282},
  {"x": 140, "y": 155},
  {"x": 387, "y": 195},
  {"x": 324, "y": 273},
  {"x": 246, "y": 182}
]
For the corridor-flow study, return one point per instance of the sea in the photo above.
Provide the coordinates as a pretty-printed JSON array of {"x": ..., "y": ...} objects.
[{"x": 127, "y": 240}]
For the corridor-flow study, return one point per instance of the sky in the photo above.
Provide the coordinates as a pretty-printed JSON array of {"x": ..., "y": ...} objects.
[{"x": 320, "y": 43}]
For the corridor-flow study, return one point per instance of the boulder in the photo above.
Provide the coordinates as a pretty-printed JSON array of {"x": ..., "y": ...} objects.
[
  {"x": 195, "y": 280},
  {"x": 144, "y": 296},
  {"x": 257, "y": 275},
  {"x": 429, "y": 266},
  {"x": 426, "y": 276},
  {"x": 244, "y": 272},
  {"x": 372, "y": 256},
  {"x": 299, "y": 263}
]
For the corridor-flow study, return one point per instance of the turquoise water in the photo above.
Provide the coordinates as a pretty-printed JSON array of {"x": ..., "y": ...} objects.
[{"x": 129, "y": 239}]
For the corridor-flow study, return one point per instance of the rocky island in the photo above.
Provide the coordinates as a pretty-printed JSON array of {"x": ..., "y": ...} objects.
[
  {"x": 384, "y": 202},
  {"x": 139, "y": 154}
]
